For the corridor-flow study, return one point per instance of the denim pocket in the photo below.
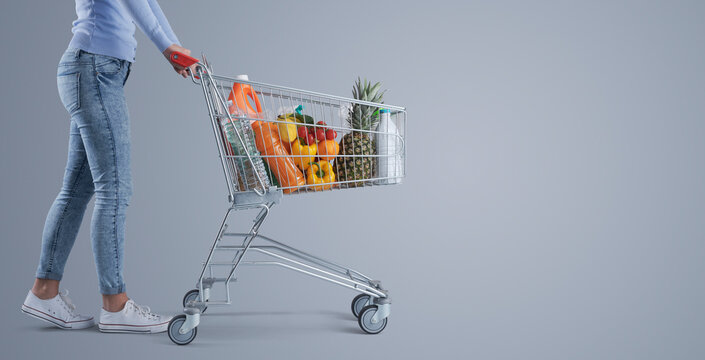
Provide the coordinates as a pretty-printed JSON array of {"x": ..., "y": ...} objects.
[
  {"x": 107, "y": 64},
  {"x": 69, "y": 90}
]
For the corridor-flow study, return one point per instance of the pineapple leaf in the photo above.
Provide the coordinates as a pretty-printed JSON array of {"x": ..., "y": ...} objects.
[{"x": 375, "y": 88}]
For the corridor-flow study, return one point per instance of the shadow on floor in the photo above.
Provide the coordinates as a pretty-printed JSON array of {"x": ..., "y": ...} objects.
[{"x": 220, "y": 327}]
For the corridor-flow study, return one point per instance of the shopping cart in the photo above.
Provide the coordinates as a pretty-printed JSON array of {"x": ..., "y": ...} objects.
[{"x": 265, "y": 154}]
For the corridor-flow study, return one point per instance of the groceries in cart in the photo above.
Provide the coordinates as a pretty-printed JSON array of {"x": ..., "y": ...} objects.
[
  {"x": 312, "y": 148},
  {"x": 295, "y": 152}
]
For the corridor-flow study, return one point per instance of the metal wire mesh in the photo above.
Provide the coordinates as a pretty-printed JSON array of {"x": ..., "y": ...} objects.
[{"x": 259, "y": 130}]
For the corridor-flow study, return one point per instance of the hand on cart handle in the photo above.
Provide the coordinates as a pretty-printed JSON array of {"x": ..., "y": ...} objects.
[{"x": 179, "y": 58}]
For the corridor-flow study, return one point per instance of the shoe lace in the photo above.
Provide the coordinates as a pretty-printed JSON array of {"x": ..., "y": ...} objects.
[
  {"x": 68, "y": 304},
  {"x": 144, "y": 311}
]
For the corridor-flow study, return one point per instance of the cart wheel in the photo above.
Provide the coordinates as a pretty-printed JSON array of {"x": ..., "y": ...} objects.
[
  {"x": 192, "y": 295},
  {"x": 175, "y": 336},
  {"x": 365, "y": 320},
  {"x": 358, "y": 303}
]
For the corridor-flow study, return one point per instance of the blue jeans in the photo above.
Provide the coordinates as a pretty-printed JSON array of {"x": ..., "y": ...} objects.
[{"x": 91, "y": 90}]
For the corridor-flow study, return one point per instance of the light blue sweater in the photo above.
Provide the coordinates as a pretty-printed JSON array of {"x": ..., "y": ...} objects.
[{"x": 107, "y": 27}]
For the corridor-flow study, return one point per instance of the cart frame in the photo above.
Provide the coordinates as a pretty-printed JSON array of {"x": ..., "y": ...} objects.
[{"x": 372, "y": 306}]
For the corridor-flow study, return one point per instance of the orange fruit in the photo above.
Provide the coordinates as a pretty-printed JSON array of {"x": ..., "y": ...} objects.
[{"x": 328, "y": 149}]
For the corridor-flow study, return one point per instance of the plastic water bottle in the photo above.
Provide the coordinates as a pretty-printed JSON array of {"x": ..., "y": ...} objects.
[
  {"x": 247, "y": 173},
  {"x": 389, "y": 166}
]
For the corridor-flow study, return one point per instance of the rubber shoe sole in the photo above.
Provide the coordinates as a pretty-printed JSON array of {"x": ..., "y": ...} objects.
[
  {"x": 70, "y": 325},
  {"x": 141, "y": 329}
]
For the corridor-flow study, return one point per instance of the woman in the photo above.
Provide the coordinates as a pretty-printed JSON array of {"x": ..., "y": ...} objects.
[{"x": 90, "y": 78}]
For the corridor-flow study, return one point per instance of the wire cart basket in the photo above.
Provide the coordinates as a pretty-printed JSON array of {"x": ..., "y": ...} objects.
[{"x": 275, "y": 140}]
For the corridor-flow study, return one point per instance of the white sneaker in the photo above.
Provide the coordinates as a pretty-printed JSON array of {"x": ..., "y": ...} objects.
[
  {"x": 58, "y": 310},
  {"x": 133, "y": 318}
]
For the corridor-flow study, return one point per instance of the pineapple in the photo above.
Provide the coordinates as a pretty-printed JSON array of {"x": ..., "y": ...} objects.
[{"x": 360, "y": 117}]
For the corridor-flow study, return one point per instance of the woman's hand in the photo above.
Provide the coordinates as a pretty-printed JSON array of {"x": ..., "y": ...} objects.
[{"x": 178, "y": 68}]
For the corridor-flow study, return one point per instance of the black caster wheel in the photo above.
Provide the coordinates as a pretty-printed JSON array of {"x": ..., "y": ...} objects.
[
  {"x": 175, "y": 336},
  {"x": 358, "y": 303},
  {"x": 192, "y": 295},
  {"x": 365, "y": 320}
]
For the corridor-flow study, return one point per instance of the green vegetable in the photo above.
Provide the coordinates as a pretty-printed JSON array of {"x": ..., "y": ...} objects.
[{"x": 272, "y": 178}]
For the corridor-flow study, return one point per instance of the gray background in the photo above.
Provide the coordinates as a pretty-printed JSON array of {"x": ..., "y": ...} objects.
[{"x": 553, "y": 208}]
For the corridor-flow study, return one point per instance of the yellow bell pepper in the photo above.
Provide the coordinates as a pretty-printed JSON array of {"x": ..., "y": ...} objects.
[
  {"x": 287, "y": 131},
  {"x": 304, "y": 155},
  {"x": 320, "y": 173}
]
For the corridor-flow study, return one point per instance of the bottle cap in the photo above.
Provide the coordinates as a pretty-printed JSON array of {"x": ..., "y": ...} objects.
[
  {"x": 382, "y": 111},
  {"x": 242, "y": 77}
]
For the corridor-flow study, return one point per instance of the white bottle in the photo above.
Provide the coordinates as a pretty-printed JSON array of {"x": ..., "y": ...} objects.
[{"x": 388, "y": 150}]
